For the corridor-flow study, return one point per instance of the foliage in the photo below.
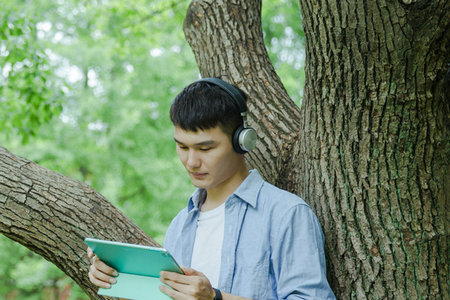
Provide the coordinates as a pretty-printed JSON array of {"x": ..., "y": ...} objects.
[
  {"x": 285, "y": 42},
  {"x": 91, "y": 101},
  {"x": 28, "y": 94}
]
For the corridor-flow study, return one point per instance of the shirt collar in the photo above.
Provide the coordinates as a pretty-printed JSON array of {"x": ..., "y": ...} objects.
[
  {"x": 248, "y": 191},
  {"x": 196, "y": 199}
]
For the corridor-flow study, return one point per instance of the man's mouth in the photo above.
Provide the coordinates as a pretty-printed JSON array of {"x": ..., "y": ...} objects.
[{"x": 198, "y": 175}]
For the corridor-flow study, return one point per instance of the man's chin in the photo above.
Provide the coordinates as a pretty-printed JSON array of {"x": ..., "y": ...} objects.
[{"x": 201, "y": 184}]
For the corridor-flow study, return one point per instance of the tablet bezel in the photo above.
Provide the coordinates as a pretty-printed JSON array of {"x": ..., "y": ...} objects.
[{"x": 132, "y": 258}]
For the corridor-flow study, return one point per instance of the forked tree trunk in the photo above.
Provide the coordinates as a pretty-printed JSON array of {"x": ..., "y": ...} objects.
[
  {"x": 227, "y": 41},
  {"x": 368, "y": 150},
  {"x": 371, "y": 151}
]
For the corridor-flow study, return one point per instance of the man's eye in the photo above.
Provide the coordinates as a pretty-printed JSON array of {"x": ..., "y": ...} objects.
[
  {"x": 182, "y": 147},
  {"x": 205, "y": 149}
]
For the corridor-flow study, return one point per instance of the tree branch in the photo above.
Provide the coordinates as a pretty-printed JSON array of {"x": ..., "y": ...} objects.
[{"x": 52, "y": 214}]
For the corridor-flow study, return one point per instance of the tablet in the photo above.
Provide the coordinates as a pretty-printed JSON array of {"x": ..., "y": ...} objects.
[{"x": 138, "y": 267}]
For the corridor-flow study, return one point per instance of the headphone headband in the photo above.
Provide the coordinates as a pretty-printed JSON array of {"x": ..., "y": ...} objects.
[{"x": 230, "y": 89}]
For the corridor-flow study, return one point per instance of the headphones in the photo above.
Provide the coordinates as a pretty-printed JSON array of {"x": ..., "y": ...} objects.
[{"x": 244, "y": 137}]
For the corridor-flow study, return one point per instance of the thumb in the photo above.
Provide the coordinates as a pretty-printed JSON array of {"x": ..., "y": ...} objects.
[
  {"x": 90, "y": 253},
  {"x": 190, "y": 272}
]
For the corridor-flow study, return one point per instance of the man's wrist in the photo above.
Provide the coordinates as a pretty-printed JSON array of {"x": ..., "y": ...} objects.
[{"x": 218, "y": 294}]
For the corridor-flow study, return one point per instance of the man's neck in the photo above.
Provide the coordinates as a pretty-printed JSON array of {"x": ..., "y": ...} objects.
[{"x": 219, "y": 194}]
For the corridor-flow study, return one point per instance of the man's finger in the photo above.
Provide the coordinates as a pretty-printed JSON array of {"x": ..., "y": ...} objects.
[
  {"x": 175, "y": 277},
  {"x": 189, "y": 276},
  {"x": 172, "y": 293},
  {"x": 181, "y": 287},
  {"x": 98, "y": 282},
  {"x": 99, "y": 278},
  {"x": 190, "y": 272},
  {"x": 101, "y": 266}
]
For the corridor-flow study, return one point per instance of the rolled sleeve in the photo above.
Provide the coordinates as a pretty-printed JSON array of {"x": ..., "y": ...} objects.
[{"x": 298, "y": 257}]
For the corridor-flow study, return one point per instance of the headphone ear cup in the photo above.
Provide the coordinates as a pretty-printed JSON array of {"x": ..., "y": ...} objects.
[
  {"x": 235, "y": 140},
  {"x": 247, "y": 139},
  {"x": 244, "y": 139}
]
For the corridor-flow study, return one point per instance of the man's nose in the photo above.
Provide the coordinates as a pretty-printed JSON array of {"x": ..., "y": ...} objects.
[{"x": 193, "y": 160}]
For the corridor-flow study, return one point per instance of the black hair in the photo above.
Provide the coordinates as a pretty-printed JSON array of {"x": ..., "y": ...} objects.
[{"x": 202, "y": 106}]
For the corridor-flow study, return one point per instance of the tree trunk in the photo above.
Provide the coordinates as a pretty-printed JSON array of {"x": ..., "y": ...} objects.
[
  {"x": 374, "y": 142},
  {"x": 51, "y": 215},
  {"x": 369, "y": 148}
]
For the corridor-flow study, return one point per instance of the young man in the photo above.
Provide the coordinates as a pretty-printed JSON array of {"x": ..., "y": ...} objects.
[{"x": 239, "y": 236}]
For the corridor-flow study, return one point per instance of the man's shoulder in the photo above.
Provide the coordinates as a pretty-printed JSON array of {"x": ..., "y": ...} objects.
[
  {"x": 257, "y": 191},
  {"x": 279, "y": 196}
]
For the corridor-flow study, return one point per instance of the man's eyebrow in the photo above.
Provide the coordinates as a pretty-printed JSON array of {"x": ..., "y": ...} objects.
[{"x": 204, "y": 143}]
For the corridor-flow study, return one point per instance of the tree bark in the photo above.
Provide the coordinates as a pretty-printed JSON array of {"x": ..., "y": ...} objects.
[
  {"x": 375, "y": 143},
  {"x": 369, "y": 148},
  {"x": 51, "y": 215}
]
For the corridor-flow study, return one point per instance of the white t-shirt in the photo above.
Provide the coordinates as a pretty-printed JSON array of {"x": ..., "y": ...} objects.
[{"x": 207, "y": 252}]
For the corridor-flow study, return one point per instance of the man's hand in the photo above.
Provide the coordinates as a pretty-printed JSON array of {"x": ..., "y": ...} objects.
[
  {"x": 192, "y": 285},
  {"x": 99, "y": 273}
]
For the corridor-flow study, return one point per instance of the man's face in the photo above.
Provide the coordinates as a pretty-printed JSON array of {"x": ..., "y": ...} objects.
[{"x": 208, "y": 156}]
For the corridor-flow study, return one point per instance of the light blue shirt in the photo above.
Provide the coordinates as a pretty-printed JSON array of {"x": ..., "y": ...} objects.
[{"x": 272, "y": 246}]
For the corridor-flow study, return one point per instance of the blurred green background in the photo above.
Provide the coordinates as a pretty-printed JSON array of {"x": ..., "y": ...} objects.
[{"x": 85, "y": 89}]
